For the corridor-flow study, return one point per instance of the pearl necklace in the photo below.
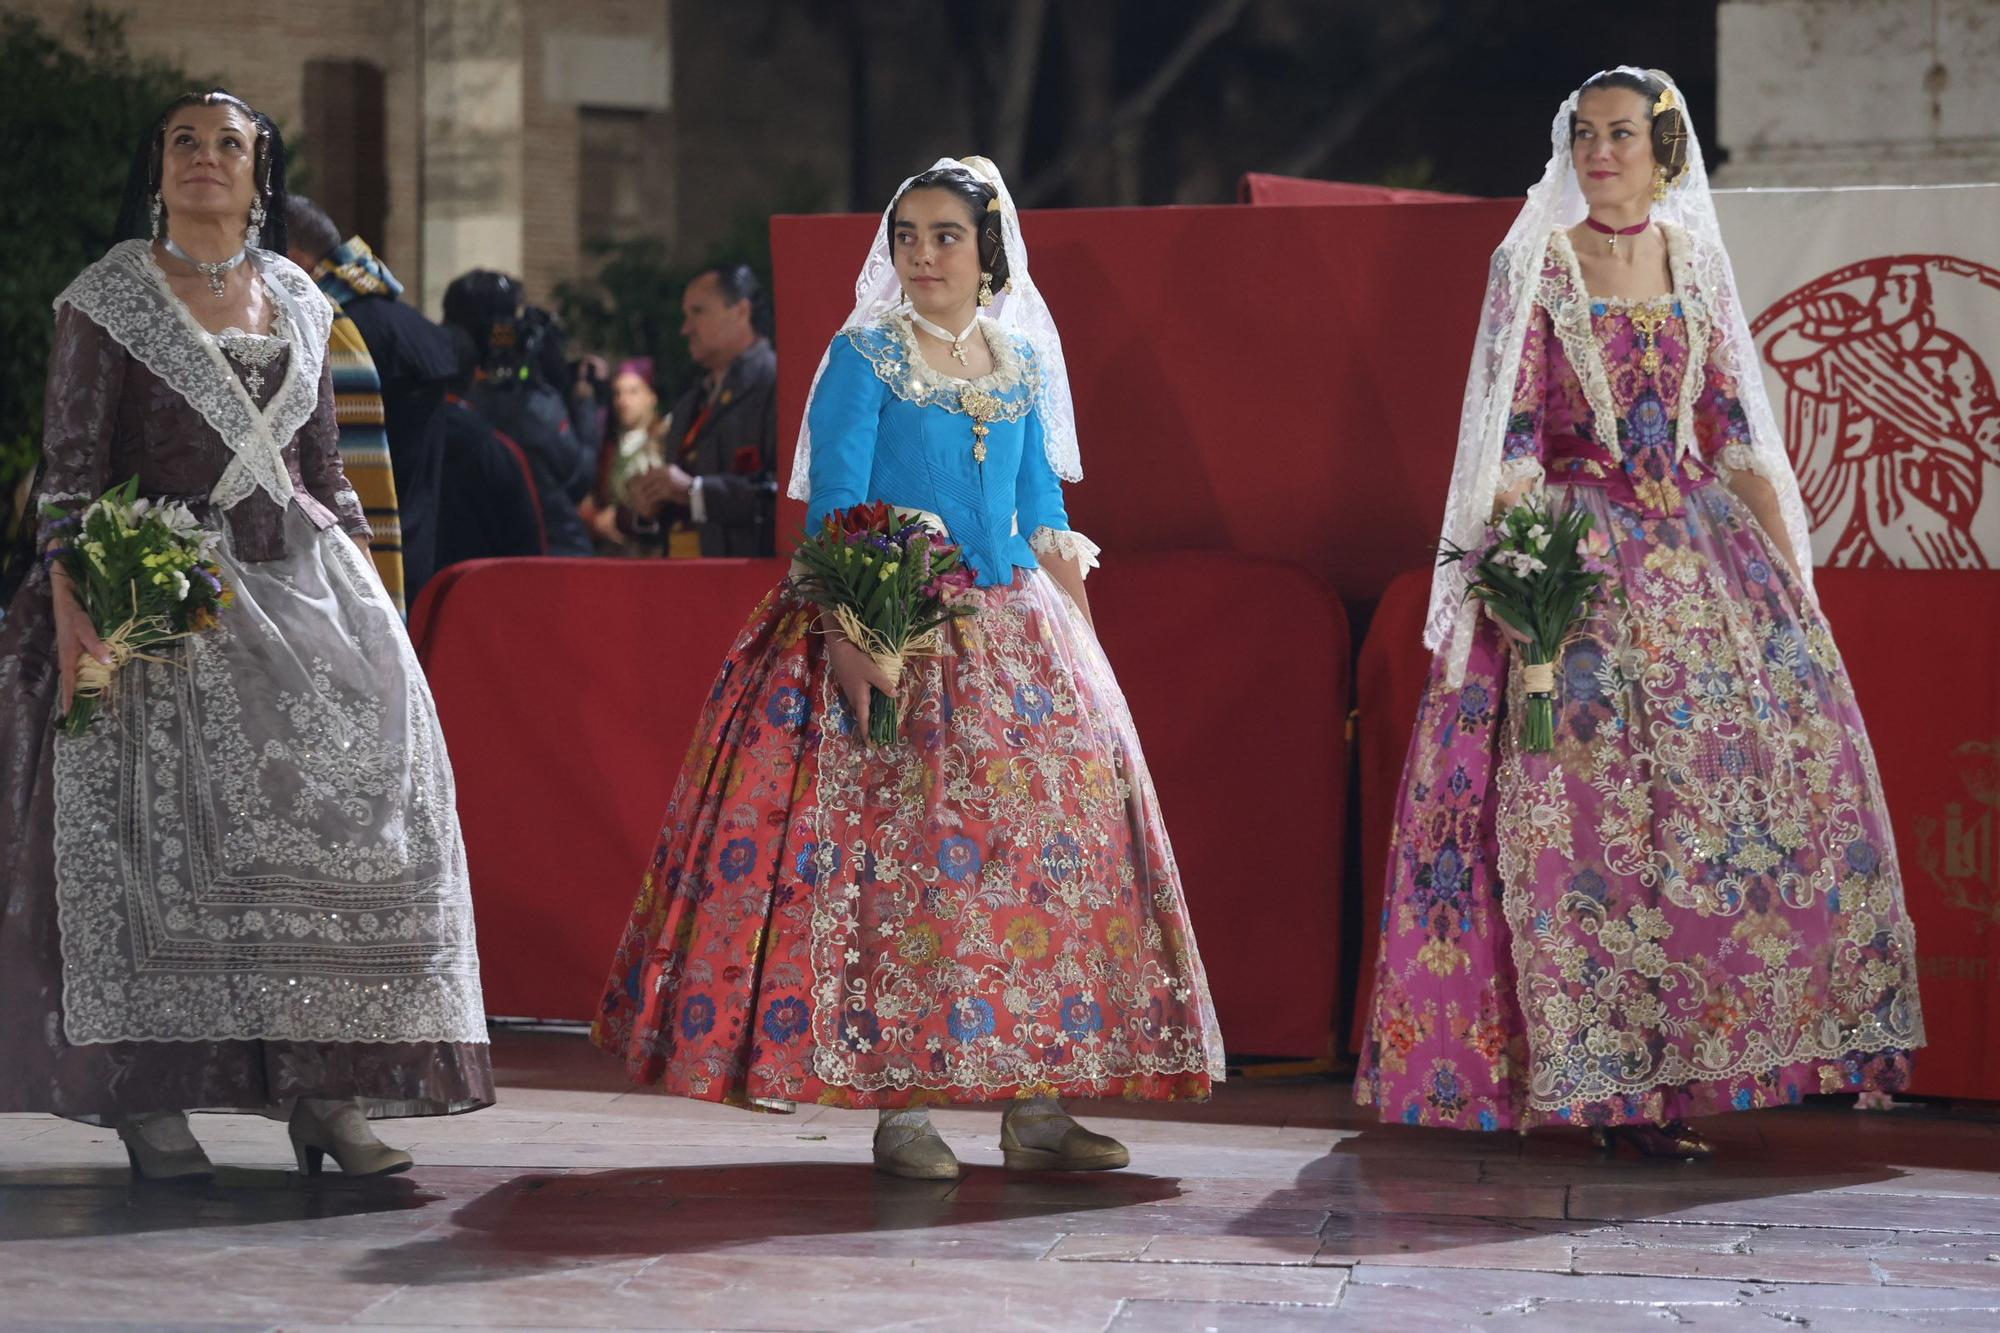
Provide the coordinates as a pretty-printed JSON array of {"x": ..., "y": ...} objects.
[
  {"x": 213, "y": 272},
  {"x": 957, "y": 340}
]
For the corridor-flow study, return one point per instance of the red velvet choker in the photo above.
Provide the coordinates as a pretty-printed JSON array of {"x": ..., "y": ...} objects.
[{"x": 1611, "y": 234}]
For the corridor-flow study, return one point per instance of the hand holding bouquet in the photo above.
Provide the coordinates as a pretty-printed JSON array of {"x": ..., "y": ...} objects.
[
  {"x": 886, "y": 584},
  {"x": 1536, "y": 574},
  {"x": 144, "y": 575}
]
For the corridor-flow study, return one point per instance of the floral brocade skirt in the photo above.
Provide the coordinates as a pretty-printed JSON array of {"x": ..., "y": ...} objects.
[
  {"x": 1690, "y": 905},
  {"x": 988, "y": 910}
]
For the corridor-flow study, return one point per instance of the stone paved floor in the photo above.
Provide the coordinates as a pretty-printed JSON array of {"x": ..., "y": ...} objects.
[{"x": 575, "y": 1204}]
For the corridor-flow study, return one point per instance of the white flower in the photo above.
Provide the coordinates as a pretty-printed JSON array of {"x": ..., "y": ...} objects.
[
  {"x": 178, "y": 518},
  {"x": 1521, "y": 562},
  {"x": 139, "y": 508},
  {"x": 180, "y": 586}
]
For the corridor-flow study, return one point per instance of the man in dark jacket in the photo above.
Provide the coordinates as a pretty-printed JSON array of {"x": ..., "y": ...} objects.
[
  {"x": 511, "y": 390},
  {"x": 412, "y": 356},
  {"x": 721, "y": 474}
]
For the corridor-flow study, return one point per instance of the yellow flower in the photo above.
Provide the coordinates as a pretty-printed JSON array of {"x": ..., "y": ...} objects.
[
  {"x": 1028, "y": 937},
  {"x": 1120, "y": 935},
  {"x": 1442, "y": 957},
  {"x": 920, "y": 944}
]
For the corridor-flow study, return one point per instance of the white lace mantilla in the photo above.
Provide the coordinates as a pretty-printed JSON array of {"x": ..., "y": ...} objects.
[
  {"x": 1018, "y": 308},
  {"x": 258, "y": 838},
  {"x": 127, "y": 295},
  {"x": 1513, "y": 290}
]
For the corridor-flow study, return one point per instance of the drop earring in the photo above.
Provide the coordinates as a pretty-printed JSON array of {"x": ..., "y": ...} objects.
[
  {"x": 254, "y": 233},
  {"x": 985, "y": 290},
  {"x": 1659, "y": 183},
  {"x": 154, "y": 209}
]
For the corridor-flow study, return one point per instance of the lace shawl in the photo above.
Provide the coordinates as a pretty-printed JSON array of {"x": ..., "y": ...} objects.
[{"x": 127, "y": 295}]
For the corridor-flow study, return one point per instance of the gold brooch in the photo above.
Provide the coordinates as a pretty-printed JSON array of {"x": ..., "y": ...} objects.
[{"x": 983, "y": 408}]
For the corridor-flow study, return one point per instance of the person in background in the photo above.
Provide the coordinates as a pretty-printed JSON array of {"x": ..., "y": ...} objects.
[
  {"x": 720, "y": 482},
  {"x": 511, "y": 389},
  {"x": 357, "y": 391},
  {"x": 488, "y": 506},
  {"x": 589, "y": 397},
  {"x": 634, "y": 445},
  {"x": 413, "y": 360}
]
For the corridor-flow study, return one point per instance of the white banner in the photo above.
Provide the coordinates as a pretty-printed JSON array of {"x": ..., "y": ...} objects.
[{"x": 1877, "y": 316}]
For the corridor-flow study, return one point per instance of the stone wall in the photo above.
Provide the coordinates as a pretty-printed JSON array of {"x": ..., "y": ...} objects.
[
  {"x": 483, "y": 101},
  {"x": 1859, "y": 92}
]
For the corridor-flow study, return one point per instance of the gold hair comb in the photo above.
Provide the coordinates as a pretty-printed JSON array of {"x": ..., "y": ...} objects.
[{"x": 1667, "y": 101}]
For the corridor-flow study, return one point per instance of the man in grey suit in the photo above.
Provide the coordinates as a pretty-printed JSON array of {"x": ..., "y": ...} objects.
[{"x": 720, "y": 477}]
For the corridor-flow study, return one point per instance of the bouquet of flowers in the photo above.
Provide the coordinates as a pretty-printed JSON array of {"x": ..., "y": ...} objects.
[
  {"x": 888, "y": 584},
  {"x": 145, "y": 574},
  {"x": 1536, "y": 573}
]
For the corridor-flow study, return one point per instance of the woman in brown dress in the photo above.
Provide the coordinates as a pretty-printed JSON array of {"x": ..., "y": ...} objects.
[{"x": 242, "y": 886}]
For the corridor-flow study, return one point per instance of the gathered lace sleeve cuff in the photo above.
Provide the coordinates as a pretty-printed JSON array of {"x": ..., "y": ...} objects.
[
  {"x": 1067, "y": 545},
  {"x": 1516, "y": 473},
  {"x": 1742, "y": 458}
]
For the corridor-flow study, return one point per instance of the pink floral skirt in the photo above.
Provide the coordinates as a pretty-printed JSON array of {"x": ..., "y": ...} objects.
[{"x": 1692, "y": 904}]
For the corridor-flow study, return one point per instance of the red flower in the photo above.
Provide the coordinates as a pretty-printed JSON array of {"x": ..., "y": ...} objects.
[{"x": 876, "y": 517}]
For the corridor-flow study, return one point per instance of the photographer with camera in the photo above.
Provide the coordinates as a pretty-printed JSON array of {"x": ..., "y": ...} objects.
[{"x": 520, "y": 350}]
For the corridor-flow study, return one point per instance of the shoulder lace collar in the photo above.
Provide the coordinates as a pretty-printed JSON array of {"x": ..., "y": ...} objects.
[
  {"x": 1568, "y": 302},
  {"x": 127, "y": 295},
  {"x": 891, "y": 347}
]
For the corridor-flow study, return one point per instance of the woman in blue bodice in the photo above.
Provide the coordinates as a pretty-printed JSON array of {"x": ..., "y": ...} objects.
[{"x": 989, "y": 909}]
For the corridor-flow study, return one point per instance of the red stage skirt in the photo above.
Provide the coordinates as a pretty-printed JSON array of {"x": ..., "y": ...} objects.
[{"x": 989, "y": 910}]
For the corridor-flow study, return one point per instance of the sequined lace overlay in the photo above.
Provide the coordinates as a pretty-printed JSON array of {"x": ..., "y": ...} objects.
[{"x": 284, "y": 859}]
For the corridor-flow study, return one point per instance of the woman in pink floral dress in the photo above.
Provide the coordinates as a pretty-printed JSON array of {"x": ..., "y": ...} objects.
[{"x": 1692, "y": 903}]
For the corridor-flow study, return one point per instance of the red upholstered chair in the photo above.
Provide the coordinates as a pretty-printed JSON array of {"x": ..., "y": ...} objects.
[
  {"x": 1389, "y": 684},
  {"x": 1236, "y": 671},
  {"x": 569, "y": 688}
]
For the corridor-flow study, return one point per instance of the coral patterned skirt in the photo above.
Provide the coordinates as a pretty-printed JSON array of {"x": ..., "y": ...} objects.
[{"x": 988, "y": 910}]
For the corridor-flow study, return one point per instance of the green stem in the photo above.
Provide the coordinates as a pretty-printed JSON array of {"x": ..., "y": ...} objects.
[
  {"x": 1538, "y": 724},
  {"x": 884, "y": 726},
  {"x": 79, "y": 715}
]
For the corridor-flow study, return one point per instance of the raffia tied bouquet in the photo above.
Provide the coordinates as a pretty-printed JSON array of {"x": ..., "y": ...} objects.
[
  {"x": 145, "y": 574},
  {"x": 890, "y": 585},
  {"x": 1537, "y": 574}
]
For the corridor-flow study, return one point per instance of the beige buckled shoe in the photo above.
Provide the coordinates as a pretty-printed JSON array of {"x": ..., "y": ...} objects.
[
  {"x": 1040, "y": 1136},
  {"x": 914, "y": 1152}
]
